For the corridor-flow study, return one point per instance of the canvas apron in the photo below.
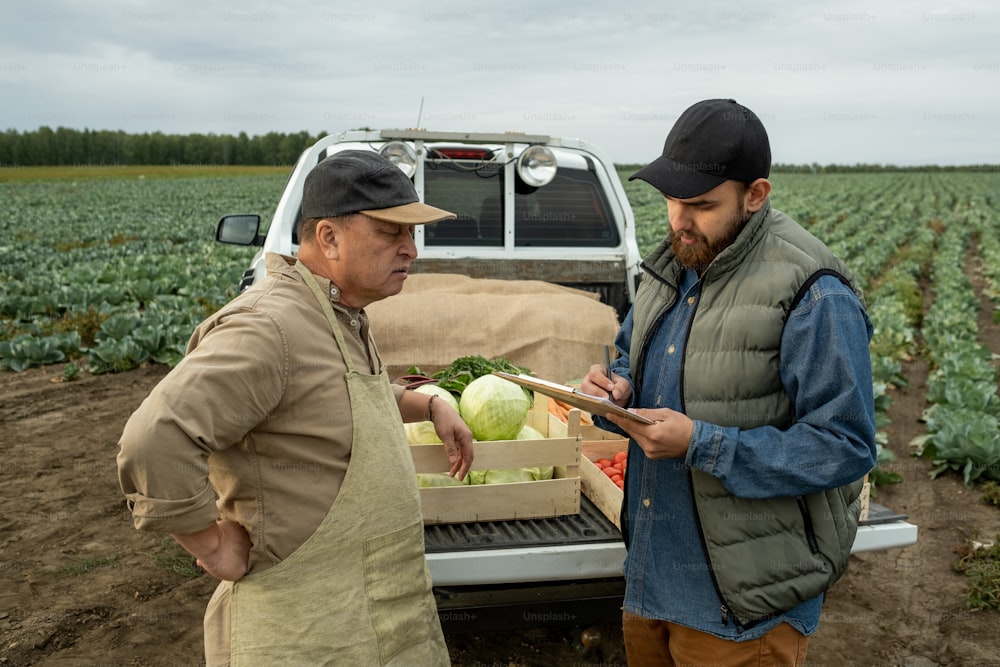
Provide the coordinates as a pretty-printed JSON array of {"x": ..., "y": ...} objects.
[{"x": 358, "y": 591}]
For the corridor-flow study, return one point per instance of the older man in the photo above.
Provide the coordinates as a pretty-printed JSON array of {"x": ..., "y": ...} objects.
[{"x": 275, "y": 453}]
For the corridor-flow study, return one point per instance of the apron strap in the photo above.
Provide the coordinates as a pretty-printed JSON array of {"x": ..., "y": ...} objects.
[{"x": 331, "y": 317}]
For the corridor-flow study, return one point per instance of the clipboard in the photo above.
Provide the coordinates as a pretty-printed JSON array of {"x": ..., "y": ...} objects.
[{"x": 574, "y": 397}]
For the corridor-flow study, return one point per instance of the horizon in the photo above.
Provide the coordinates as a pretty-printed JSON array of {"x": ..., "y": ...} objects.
[{"x": 778, "y": 165}]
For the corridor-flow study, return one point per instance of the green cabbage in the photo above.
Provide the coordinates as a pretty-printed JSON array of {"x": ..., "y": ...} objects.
[
  {"x": 543, "y": 472},
  {"x": 509, "y": 475},
  {"x": 539, "y": 472},
  {"x": 529, "y": 433},
  {"x": 440, "y": 392},
  {"x": 432, "y": 479},
  {"x": 494, "y": 408},
  {"x": 423, "y": 433}
]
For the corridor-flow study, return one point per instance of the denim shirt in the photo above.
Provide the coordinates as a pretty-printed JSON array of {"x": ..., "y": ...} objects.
[{"x": 826, "y": 370}]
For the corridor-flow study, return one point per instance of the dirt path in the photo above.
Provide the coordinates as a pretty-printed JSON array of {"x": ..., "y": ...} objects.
[{"x": 906, "y": 606}]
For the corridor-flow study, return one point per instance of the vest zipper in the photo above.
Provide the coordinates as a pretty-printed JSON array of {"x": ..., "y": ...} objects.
[
  {"x": 727, "y": 613},
  {"x": 687, "y": 337},
  {"x": 807, "y": 520},
  {"x": 651, "y": 330}
]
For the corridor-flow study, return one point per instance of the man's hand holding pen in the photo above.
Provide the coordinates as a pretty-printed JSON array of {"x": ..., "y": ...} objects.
[
  {"x": 601, "y": 382},
  {"x": 667, "y": 438}
]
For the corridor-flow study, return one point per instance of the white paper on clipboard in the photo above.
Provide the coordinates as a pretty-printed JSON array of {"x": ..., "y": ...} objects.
[{"x": 572, "y": 396}]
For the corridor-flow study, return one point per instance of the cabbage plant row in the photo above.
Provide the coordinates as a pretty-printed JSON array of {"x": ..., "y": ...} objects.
[
  {"x": 117, "y": 272},
  {"x": 922, "y": 226},
  {"x": 989, "y": 265},
  {"x": 963, "y": 420}
]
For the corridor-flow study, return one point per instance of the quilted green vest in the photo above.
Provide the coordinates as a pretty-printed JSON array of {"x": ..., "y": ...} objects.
[{"x": 766, "y": 555}]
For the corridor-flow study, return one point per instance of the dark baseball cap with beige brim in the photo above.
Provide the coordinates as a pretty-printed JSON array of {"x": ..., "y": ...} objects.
[
  {"x": 359, "y": 181},
  {"x": 712, "y": 141}
]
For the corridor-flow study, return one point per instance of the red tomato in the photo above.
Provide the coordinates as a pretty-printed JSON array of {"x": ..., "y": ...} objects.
[
  {"x": 618, "y": 480},
  {"x": 602, "y": 463},
  {"x": 610, "y": 471},
  {"x": 620, "y": 456},
  {"x": 621, "y": 484}
]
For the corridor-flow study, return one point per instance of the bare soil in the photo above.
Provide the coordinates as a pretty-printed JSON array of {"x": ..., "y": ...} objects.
[{"x": 79, "y": 586}]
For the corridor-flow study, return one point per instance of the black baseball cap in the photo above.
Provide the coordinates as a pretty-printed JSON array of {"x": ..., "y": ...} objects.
[
  {"x": 713, "y": 141},
  {"x": 359, "y": 181}
]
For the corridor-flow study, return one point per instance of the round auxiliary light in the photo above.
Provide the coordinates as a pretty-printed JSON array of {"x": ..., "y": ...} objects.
[
  {"x": 537, "y": 165},
  {"x": 402, "y": 155}
]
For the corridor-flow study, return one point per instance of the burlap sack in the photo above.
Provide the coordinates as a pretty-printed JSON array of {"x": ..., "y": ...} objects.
[{"x": 556, "y": 332}]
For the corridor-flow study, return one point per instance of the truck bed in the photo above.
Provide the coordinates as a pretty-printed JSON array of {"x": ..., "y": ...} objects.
[
  {"x": 589, "y": 526},
  {"x": 882, "y": 529},
  {"x": 564, "y": 570},
  {"x": 500, "y": 575},
  {"x": 575, "y": 546}
]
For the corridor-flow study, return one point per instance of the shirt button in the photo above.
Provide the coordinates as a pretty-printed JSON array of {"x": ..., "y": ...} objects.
[
  {"x": 354, "y": 323},
  {"x": 691, "y": 300},
  {"x": 645, "y": 502},
  {"x": 670, "y": 350},
  {"x": 333, "y": 291}
]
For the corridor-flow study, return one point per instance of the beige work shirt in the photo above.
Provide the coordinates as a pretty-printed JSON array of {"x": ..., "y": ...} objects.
[
  {"x": 378, "y": 606},
  {"x": 253, "y": 424}
]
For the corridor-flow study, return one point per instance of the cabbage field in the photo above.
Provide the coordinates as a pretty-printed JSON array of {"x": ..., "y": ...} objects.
[
  {"x": 108, "y": 270},
  {"x": 119, "y": 269}
]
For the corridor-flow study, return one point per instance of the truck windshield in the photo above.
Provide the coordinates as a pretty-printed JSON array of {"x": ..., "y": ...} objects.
[{"x": 569, "y": 211}]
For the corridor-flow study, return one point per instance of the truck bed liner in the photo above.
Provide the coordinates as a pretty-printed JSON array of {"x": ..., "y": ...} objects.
[{"x": 589, "y": 526}]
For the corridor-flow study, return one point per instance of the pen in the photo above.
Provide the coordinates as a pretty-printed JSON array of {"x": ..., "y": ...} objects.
[{"x": 607, "y": 361}]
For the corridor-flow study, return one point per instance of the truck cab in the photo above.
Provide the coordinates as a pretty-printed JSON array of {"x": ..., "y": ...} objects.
[{"x": 530, "y": 207}]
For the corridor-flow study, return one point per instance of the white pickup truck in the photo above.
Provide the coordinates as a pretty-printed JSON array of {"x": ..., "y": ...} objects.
[{"x": 528, "y": 207}]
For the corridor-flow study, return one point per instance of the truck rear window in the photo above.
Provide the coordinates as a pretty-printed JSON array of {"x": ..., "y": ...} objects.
[{"x": 569, "y": 211}]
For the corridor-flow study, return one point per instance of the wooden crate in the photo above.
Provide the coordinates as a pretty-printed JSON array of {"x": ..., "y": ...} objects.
[
  {"x": 608, "y": 497},
  {"x": 520, "y": 500},
  {"x": 597, "y": 444},
  {"x": 600, "y": 444},
  {"x": 866, "y": 492},
  {"x": 595, "y": 484}
]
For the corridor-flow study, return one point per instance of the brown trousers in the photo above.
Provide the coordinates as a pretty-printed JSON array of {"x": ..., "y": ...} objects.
[{"x": 653, "y": 643}]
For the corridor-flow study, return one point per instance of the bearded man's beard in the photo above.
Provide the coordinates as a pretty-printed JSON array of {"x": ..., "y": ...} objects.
[{"x": 699, "y": 255}]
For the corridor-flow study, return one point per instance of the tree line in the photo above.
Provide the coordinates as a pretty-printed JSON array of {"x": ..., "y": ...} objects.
[
  {"x": 63, "y": 146},
  {"x": 68, "y": 147}
]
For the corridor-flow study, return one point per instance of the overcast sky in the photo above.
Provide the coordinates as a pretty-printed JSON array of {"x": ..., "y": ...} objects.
[{"x": 890, "y": 82}]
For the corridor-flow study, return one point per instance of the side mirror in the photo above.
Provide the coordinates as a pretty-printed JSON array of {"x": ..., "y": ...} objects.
[{"x": 239, "y": 229}]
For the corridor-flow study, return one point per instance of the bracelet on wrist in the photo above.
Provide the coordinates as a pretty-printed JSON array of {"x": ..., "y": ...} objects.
[{"x": 430, "y": 410}]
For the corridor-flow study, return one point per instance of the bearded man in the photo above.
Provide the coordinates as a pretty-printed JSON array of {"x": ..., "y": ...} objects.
[{"x": 747, "y": 345}]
